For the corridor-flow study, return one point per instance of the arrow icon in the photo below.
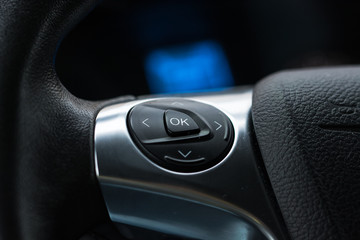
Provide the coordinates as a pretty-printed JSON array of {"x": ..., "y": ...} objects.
[
  {"x": 144, "y": 122},
  {"x": 177, "y": 103},
  {"x": 184, "y": 155},
  {"x": 219, "y": 125}
]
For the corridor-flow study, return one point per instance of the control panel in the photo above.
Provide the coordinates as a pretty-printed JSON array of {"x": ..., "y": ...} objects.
[
  {"x": 189, "y": 156},
  {"x": 181, "y": 135}
]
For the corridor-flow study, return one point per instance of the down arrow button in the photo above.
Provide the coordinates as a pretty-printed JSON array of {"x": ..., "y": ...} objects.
[{"x": 180, "y": 124}]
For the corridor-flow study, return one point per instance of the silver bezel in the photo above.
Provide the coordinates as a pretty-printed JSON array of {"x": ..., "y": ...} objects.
[{"x": 124, "y": 171}]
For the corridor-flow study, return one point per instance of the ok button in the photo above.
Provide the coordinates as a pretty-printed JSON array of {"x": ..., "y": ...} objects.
[{"x": 179, "y": 123}]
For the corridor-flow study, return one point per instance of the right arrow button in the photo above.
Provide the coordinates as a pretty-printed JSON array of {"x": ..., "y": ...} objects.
[{"x": 218, "y": 125}]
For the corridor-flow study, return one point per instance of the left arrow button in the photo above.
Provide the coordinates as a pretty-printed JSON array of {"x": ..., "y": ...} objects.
[
  {"x": 147, "y": 123},
  {"x": 144, "y": 122}
]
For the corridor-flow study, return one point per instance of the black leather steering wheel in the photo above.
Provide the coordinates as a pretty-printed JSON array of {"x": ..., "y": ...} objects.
[
  {"x": 48, "y": 186},
  {"x": 307, "y": 125}
]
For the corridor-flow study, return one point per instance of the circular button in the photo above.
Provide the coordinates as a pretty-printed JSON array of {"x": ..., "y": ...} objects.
[{"x": 188, "y": 136}]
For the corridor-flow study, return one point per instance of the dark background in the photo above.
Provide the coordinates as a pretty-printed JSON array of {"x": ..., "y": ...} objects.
[{"x": 103, "y": 57}]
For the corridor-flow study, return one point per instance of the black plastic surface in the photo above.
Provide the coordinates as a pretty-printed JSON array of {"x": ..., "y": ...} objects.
[
  {"x": 203, "y": 127},
  {"x": 179, "y": 123},
  {"x": 147, "y": 123}
]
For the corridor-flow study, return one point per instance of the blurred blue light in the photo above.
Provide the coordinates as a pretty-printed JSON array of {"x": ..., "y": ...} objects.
[{"x": 188, "y": 68}]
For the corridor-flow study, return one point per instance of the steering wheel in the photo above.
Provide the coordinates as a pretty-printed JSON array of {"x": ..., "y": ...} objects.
[{"x": 67, "y": 165}]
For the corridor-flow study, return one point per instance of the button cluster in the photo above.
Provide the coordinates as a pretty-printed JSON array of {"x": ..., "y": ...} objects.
[{"x": 181, "y": 135}]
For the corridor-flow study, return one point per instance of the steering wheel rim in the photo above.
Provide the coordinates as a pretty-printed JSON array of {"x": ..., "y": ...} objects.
[{"x": 48, "y": 187}]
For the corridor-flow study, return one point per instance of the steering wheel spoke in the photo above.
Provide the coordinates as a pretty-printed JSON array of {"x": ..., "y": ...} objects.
[
  {"x": 224, "y": 201},
  {"x": 68, "y": 164}
]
